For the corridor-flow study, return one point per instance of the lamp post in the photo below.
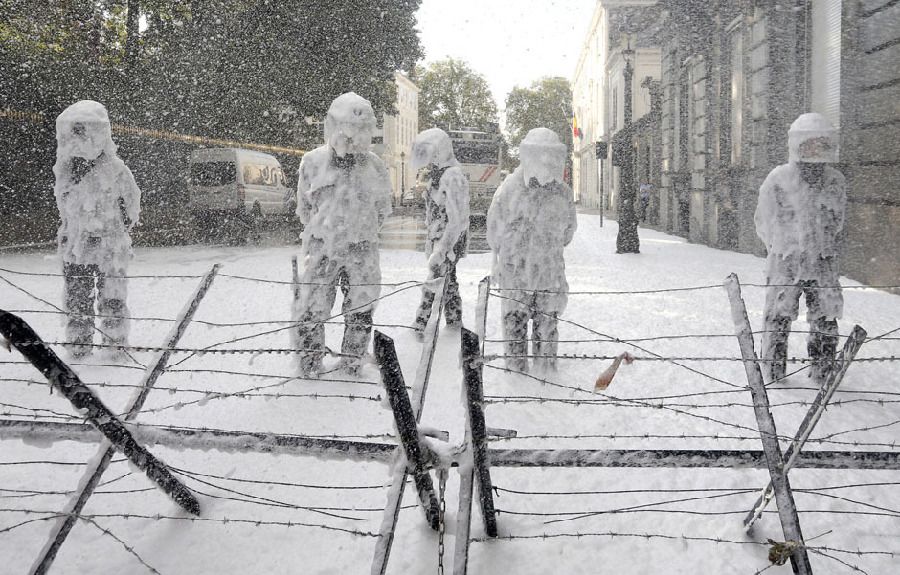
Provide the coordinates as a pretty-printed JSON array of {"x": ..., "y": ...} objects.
[
  {"x": 402, "y": 175},
  {"x": 627, "y": 240}
]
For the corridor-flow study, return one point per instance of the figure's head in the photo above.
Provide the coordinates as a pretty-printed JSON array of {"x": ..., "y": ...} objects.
[
  {"x": 83, "y": 131},
  {"x": 433, "y": 146},
  {"x": 349, "y": 125},
  {"x": 812, "y": 140},
  {"x": 543, "y": 156}
]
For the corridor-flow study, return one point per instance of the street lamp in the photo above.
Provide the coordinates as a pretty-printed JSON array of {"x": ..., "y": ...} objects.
[{"x": 627, "y": 240}]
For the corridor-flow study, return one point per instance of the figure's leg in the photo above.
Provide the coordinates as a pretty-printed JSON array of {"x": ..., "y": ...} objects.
[
  {"x": 316, "y": 299},
  {"x": 357, "y": 327},
  {"x": 782, "y": 301},
  {"x": 361, "y": 290},
  {"x": 453, "y": 305},
  {"x": 112, "y": 292},
  {"x": 545, "y": 340},
  {"x": 78, "y": 296},
  {"x": 423, "y": 314},
  {"x": 823, "y": 335},
  {"x": 515, "y": 334}
]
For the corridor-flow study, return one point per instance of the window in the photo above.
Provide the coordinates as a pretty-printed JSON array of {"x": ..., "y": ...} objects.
[
  {"x": 737, "y": 94},
  {"x": 261, "y": 175},
  {"x": 213, "y": 174}
]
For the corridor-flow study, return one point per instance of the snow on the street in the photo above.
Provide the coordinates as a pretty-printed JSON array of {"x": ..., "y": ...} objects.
[{"x": 281, "y": 513}]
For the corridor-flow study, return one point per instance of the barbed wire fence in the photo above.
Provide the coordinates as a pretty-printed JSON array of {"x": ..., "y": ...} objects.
[
  {"x": 41, "y": 423},
  {"x": 382, "y": 445},
  {"x": 555, "y": 389}
]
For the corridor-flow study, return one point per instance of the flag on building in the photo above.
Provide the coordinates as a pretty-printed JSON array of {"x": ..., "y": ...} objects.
[{"x": 576, "y": 131}]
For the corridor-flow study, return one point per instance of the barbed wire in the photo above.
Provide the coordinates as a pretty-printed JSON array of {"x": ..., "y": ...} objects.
[
  {"x": 127, "y": 547},
  {"x": 498, "y": 290},
  {"x": 202, "y": 322},
  {"x": 495, "y": 400},
  {"x": 45, "y": 302},
  {"x": 282, "y": 483},
  {"x": 643, "y": 349},
  {"x": 189, "y": 276},
  {"x": 684, "y": 538},
  {"x": 129, "y": 277},
  {"x": 193, "y": 519},
  {"x": 672, "y": 359},
  {"x": 657, "y": 406}
]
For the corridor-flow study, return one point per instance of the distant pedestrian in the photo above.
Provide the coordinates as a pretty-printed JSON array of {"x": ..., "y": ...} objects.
[
  {"x": 343, "y": 198},
  {"x": 530, "y": 221},
  {"x": 645, "y": 200},
  {"x": 99, "y": 202},
  {"x": 446, "y": 219},
  {"x": 800, "y": 218}
]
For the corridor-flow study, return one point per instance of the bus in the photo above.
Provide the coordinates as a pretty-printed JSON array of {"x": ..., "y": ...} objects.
[{"x": 478, "y": 153}]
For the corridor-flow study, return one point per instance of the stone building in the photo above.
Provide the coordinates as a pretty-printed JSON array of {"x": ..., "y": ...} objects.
[
  {"x": 734, "y": 75},
  {"x": 395, "y": 139}
]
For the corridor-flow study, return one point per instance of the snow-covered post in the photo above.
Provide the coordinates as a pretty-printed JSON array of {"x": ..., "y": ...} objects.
[
  {"x": 475, "y": 426},
  {"x": 854, "y": 342},
  {"x": 481, "y": 307},
  {"x": 787, "y": 510},
  {"x": 405, "y": 419},
  {"x": 101, "y": 461},
  {"x": 63, "y": 379},
  {"x": 398, "y": 484}
]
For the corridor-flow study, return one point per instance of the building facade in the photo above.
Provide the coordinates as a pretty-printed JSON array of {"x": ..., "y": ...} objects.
[
  {"x": 733, "y": 76},
  {"x": 394, "y": 141},
  {"x": 598, "y": 94}
]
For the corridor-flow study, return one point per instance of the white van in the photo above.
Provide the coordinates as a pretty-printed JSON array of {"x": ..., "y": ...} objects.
[{"x": 237, "y": 181}]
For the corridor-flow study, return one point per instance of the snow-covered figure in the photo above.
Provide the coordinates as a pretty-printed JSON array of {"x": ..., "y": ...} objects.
[
  {"x": 800, "y": 218},
  {"x": 99, "y": 202},
  {"x": 343, "y": 198},
  {"x": 447, "y": 220},
  {"x": 530, "y": 221}
]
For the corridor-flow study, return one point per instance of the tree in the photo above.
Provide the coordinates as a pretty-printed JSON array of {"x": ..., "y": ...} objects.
[
  {"x": 546, "y": 104},
  {"x": 452, "y": 95}
]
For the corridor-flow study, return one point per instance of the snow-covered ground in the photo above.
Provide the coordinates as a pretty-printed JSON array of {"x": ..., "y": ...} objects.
[{"x": 280, "y": 513}]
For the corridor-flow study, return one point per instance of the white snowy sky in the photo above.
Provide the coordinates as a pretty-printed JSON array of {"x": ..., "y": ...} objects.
[{"x": 511, "y": 42}]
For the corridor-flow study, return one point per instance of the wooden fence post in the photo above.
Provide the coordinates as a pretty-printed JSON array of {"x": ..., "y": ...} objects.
[
  {"x": 386, "y": 355},
  {"x": 787, "y": 510},
  {"x": 100, "y": 463},
  {"x": 833, "y": 380},
  {"x": 471, "y": 364}
]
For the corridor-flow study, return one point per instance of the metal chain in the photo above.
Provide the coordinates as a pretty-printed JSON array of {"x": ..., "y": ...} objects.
[{"x": 442, "y": 485}]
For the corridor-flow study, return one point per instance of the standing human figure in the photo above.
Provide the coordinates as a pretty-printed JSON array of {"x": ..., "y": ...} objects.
[
  {"x": 99, "y": 203},
  {"x": 446, "y": 219},
  {"x": 530, "y": 221},
  {"x": 343, "y": 198},
  {"x": 800, "y": 218}
]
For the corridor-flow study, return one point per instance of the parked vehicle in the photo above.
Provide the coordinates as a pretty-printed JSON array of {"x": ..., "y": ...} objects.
[{"x": 231, "y": 189}]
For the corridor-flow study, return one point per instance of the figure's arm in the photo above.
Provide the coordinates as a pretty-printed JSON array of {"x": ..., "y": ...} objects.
[
  {"x": 496, "y": 217},
  {"x": 304, "y": 202},
  {"x": 765, "y": 210},
  {"x": 383, "y": 189},
  {"x": 571, "y": 220},
  {"x": 130, "y": 199},
  {"x": 455, "y": 188}
]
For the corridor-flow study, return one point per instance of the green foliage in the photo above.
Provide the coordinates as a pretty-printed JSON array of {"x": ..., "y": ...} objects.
[
  {"x": 547, "y": 103},
  {"x": 246, "y": 70},
  {"x": 453, "y": 95}
]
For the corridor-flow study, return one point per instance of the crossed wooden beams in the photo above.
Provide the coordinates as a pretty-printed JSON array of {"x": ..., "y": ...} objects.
[
  {"x": 117, "y": 436},
  {"x": 474, "y": 459}
]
